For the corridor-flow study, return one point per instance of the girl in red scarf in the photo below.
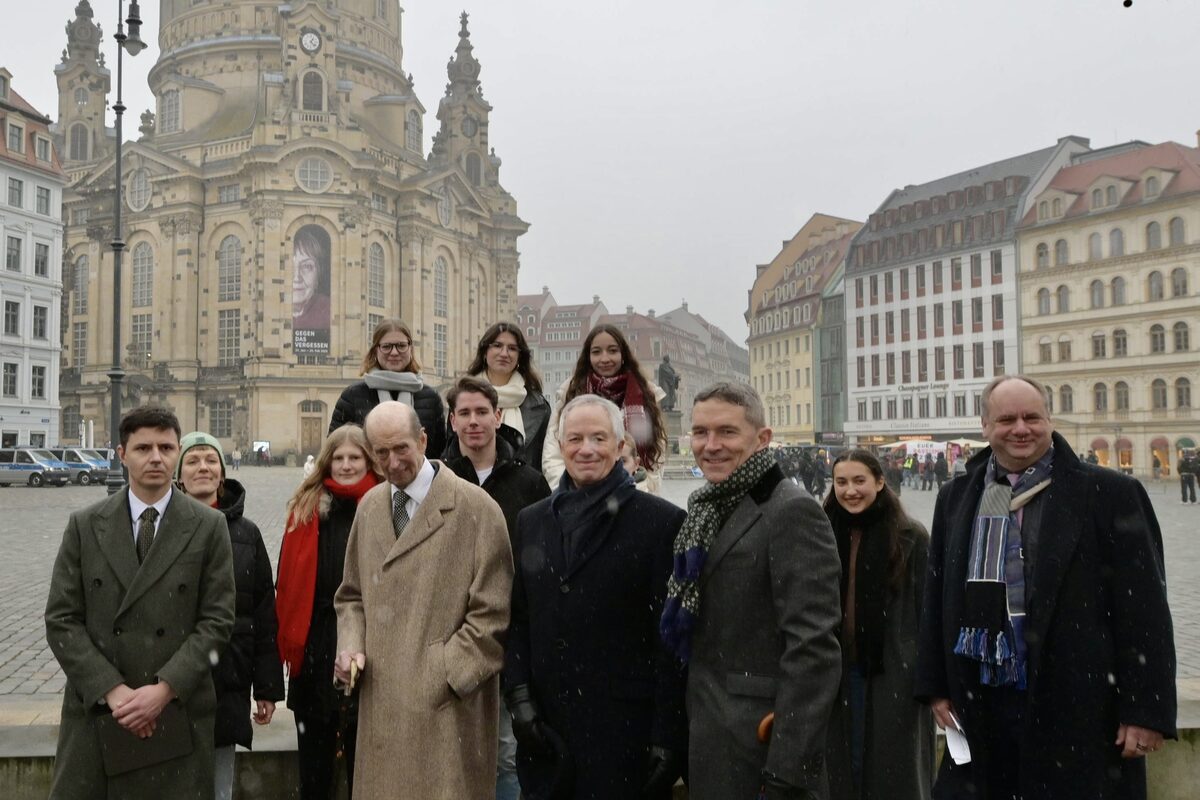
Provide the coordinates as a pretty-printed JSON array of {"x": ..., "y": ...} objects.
[
  {"x": 310, "y": 570},
  {"x": 607, "y": 367}
]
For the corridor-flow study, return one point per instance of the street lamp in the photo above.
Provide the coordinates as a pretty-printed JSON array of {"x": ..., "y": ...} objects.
[{"x": 116, "y": 375}]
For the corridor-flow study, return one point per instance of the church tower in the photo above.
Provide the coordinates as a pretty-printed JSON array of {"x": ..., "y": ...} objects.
[
  {"x": 279, "y": 204},
  {"x": 83, "y": 86}
]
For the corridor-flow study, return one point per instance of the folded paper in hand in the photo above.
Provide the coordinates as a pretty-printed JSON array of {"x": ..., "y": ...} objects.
[{"x": 956, "y": 743}]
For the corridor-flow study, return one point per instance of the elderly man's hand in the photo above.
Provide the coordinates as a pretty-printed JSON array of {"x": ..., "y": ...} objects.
[
  {"x": 943, "y": 712},
  {"x": 341, "y": 666},
  {"x": 1137, "y": 742}
]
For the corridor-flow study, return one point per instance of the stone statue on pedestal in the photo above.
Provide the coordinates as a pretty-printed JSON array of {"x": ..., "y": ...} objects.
[{"x": 668, "y": 381}]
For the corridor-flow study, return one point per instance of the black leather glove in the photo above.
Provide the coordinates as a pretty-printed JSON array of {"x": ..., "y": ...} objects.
[
  {"x": 662, "y": 770},
  {"x": 528, "y": 727}
]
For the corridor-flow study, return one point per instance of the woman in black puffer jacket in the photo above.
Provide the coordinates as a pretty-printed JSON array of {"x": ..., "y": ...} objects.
[
  {"x": 391, "y": 372},
  {"x": 251, "y": 661}
]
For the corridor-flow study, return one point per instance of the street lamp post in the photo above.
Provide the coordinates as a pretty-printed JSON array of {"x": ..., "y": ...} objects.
[{"x": 116, "y": 375}]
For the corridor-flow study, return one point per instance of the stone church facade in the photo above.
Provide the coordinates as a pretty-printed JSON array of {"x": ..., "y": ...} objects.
[{"x": 278, "y": 204}]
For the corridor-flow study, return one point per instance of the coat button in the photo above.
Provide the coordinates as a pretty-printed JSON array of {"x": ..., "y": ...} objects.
[
  {"x": 565, "y": 588},
  {"x": 97, "y": 582},
  {"x": 116, "y": 631},
  {"x": 183, "y": 587},
  {"x": 561, "y": 644},
  {"x": 160, "y": 632}
]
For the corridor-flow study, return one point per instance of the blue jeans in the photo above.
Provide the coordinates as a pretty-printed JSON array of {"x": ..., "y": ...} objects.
[{"x": 507, "y": 787}]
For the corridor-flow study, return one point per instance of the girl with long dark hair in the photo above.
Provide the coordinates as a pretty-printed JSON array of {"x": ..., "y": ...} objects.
[
  {"x": 607, "y": 367},
  {"x": 880, "y": 742}
]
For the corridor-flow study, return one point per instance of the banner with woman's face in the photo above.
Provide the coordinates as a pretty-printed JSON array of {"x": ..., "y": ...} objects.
[{"x": 310, "y": 291}]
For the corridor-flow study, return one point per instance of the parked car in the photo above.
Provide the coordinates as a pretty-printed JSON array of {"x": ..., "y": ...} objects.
[
  {"x": 86, "y": 466},
  {"x": 34, "y": 466}
]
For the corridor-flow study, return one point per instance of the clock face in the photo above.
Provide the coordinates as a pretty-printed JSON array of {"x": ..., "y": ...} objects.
[
  {"x": 310, "y": 41},
  {"x": 445, "y": 206},
  {"x": 470, "y": 126}
]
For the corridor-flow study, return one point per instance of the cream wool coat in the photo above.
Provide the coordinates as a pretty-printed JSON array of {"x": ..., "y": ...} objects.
[{"x": 429, "y": 610}]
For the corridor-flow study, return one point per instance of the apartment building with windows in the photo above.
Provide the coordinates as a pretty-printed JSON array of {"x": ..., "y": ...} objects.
[
  {"x": 1110, "y": 260},
  {"x": 931, "y": 298},
  {"x": 31, "y": 234}
]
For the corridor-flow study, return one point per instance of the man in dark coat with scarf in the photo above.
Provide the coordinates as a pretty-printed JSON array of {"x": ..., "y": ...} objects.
[
  {"x": 596, "y": 699},
  {"x": 753, "y": 607},
  {"x": 1045, "y": 629}
]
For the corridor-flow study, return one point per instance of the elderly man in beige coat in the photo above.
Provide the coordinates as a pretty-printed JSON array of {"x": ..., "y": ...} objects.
[{"x": 422, "y": 610}]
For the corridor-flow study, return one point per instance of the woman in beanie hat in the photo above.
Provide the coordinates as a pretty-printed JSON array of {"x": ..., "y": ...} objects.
[
  {"x": 251, "y": 661},
  {"x": 310, "y": 570}
]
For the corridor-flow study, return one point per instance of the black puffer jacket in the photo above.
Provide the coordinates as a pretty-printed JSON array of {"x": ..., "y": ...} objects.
[
  {"x": 512, "y": 484},
  {"x": 358, "y": 399},
  {"x": 252, "y": 658}
]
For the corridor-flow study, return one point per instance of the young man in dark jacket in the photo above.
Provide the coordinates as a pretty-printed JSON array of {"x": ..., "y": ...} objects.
[{"x": 478, "y": 455}]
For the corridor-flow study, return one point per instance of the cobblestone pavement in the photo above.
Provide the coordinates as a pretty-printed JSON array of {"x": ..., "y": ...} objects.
[{"x": 32, "y": 521}]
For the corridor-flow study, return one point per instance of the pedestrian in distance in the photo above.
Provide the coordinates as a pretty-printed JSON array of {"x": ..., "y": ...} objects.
[
  {"x": 752, "y": 609},
  {"x": 1187, "y": 468},
  {"x": 893, "y": 474},
  {"x": 311, "y": 562},
  {"x": 479, "y": 455},
  {"x": 504, "y": 360},
  {"x": 607, "y": 367},
  {"x": 596, "y": 698},
  {"x": 941, "y": 470},
  {"x": 881, "y": 741},
  {"x": 422, "y": 609},
  {"x": 928, "y": 472},
  {"x": 141, "y": 596},
  {"x": 1035, "y": 558},
  {"x": 237, "y": 458},
  {"x": 391, "y": 372},
  {"x": 250, "y": 665}
]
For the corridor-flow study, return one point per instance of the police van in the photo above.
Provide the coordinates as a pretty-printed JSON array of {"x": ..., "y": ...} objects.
[
  {"x": 30, "y": 465},
  {"x": 86, "y": 466}
]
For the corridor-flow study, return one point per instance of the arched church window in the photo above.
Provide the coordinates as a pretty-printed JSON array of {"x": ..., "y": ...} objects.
[
  {"x": 474, "y": 169},
  {"x": 78, "y": 147},
  {"x": 168, "y": 112},
  {"x": 375, "y": 272},
  {"x": 143, "y": 275},
  {"x": 139, "y": 190},
  {"x": 229, "y": 269},
  {"x": 412, "y": 132},
  {"x": 79, "y": 288},
  {"x": 81, "y": 96},
  {"x": 441, "y": 286},
  {"x": 313, "y": 92}
]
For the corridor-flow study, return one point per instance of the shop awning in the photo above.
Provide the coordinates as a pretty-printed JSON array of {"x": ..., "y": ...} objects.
[
  {"x": 1184, "y": 443},
  {"x": 1100, "y": 443},
  {"x": 1159, "y": 443},
  {"x": 1124, "y": 444}
]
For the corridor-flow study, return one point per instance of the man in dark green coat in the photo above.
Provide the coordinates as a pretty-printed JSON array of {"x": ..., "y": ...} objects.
[{"x": 141, "y": 604}]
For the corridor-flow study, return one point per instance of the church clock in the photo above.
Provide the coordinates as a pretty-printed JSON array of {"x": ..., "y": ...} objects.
[{"x": 310, "y": 41}]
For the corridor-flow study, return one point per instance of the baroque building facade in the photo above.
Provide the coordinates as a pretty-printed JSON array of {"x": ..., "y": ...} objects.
[
  {"x": 784, "y": 308},
  {"x": 279, "y": 203},
  {"x": 1110, "y": 261},
  {"x": 31, "y": 179}
]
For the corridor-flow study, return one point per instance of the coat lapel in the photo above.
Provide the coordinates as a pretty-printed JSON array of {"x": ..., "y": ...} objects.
[
  {"x": 740, "y": 521},
  {"x": 174, "y": 532},
  {"x": 114, "y": 534},
  {"x": 429, "y": 518},
  {"x": 590, "y": 546}
]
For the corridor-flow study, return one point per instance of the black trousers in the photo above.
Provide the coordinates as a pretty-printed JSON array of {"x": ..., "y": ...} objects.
[
  {"x": 995, "y": 730},
  {"x": 317, "y": 746},
  {"x": 1187, "y": 487}
]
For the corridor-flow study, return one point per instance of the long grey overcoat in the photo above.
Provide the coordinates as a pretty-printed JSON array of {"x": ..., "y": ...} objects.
[
  {"x": 110, "y": 621},
  {"x": 898, "y": 756},
  {"x": 765, "y": 640},
  {"x": 429, "y": 610}
]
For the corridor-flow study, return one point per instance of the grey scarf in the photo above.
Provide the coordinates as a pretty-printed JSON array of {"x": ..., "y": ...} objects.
[{"x": 385, "y": 382}]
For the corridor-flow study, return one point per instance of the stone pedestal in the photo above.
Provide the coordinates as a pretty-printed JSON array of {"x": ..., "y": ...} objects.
[{"x": 673, "y": 420}]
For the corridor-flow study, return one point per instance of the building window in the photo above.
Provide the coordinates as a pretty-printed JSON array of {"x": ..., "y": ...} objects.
[
  {"x": 1045, "y": 351},
  {"x": 229, "y": 336},
  {"x": 79, "y": 287},
  {"x": 230, "y": 193},
  {"x": 1183, "y": 393},
  {"x": 474, "y": 169},
  {"x": 168, "y": 111},
  {"x": 79, "y": 339},
  {"x": 43, "y": 201},
  {"x": 375, "y": 273},
  {"x": 373, "y": 321},
  {"x": 1043, "y": 255},
  {"x": 12, "y": 255},
  {"x": 16, "y": 193},
  {"x": 1100, "y": 397},
  {"x": 1043, "y": 301},
  {"x": 12, "y": 318},
  {"x": 1096, "y": 294},
  {"x": 958, "y": 361},
  {"x": 1118, "y": 291},
  {"x": 229, "y": 269},
  {"x": 441, "y": 282},
  {"x": 1154, "y": 286},
  {"x": 80, "y": 216},
  {"x": 1120, "y": 342},
  {"x": 1116, "y": 243},
  {"x": 313, "y": 92},
  {"x": 41, "y": 322},
  {"x": 379, "y": 202},
  {"x": 1066, "y": 400},
  {"x": 439, "y": 348},
  {"x": 977, "y": 359},
  {"x": 220, "y": 418},
  {"x": 1158, "y": 394},
  {"x": 862, "y": 371},
  {"x": 77, "y": 148},
  {"x": 141, "y": 334},
  {"x": 1182, "y": 336},
  {"x": 1064, "y": 349},
  {"x": 381, "y": 8},
  {"x": 1121, "y": 396},
  {"x": 1061, "y": 255},
  {"x": 10, "y": 380},
  {"x": 997, "y": 263},
  {"x": 977, "y": 312},
  {"x": 976, "y": 269},
  {"x": 997, "y": 359},
  {"x": 143, "y": 275},
  {"x": 16, "y": 138},
  {"x": 1056, "y": 206},
  {"x": 1151, "y": 186},
  {"x": 138, "y": 196},
  {"x": 41, "y": 260},
  {"x": 1158, "y": 339},
  {"x": 1175, "y": 232},
  {"x": 1179, "y": 282},
  {"x": 412, "y": 132},
  {"x": 1097, "y": 198},
  {"x": 1095, "y": 247},
  {"x": 71, "y": 422},
  {"x": 1153, "y": 236},
  {"x": 1099, "y": 345},
  {"x": 314, "y": 174},
  {"x": 1063, "y": 299}
]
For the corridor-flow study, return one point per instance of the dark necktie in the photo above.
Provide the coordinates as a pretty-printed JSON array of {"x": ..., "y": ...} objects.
[
  {"x": 145, "y": 536},
  {"x": 399, "y": 512}
]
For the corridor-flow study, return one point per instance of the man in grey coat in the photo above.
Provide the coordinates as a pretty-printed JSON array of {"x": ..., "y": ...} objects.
[{"x": 753, "y": 607}]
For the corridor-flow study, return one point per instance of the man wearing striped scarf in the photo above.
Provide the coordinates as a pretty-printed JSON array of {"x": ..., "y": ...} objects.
[{"x": 1045, "y": 633}]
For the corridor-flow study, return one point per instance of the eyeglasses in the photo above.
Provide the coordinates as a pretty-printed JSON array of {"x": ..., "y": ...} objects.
[
  {"x": 395, "y": 347},
  {"x": 501, "y": 346}
]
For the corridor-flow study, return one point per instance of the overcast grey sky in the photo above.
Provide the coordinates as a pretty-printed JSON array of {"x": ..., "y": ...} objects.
[{"x": 662, "y": 148}]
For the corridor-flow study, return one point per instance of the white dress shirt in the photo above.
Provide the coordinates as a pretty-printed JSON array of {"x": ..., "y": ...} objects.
[
  {"x": 136, "y": 507},
  {"x": 416, "y": 490}
]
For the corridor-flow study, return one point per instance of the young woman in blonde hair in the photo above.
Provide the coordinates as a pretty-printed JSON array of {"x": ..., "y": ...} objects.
[
  {"x": 310, "y": 570},
  {"x": 391, "y": 372}
]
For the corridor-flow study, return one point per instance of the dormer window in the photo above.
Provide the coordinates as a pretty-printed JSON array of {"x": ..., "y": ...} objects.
[
  {"x": 1152, "y": 186},
  {"x": 1097, "y": 198},
  {"x": 1056, "y": 207},
  {"x": 43, "y": 148},
  {"x": 3, "y": 87},
  {"x": 1110, "y": 195},
  {"x": 16, "y": 138}
]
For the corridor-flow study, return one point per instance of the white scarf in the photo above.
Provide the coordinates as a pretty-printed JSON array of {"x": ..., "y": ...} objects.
[{"x": 512, "y": 395}]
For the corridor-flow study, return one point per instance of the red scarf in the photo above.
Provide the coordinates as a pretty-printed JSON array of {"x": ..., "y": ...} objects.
[
  {"x": 623, "y": 390},
  {"x": 297, "y": 582}
]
